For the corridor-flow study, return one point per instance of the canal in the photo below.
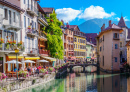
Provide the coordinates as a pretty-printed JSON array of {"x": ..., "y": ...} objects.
[{"x": 86, "y": 82}]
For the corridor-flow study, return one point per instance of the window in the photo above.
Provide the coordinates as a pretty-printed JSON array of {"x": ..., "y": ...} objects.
[
  {"x": 103, "y": 37},
  {"x": 120, "y": 44},
  {"x": 28, "y": 22},
  {"x": 24, "y": 1},
  {"x": 10, "y": 20},
  {"x": 14, "y": 16},
  {"x": 103, "y": 61},
  {"x": 116, "y": 36},
  {"x": 0, "y": 33},
  {"x": 25, "y": 21},
  {"x": 6, "y": 13},
  {"x": 35, "y": 25},
  {"x": 116, "y": 46},
  {"x": 115, "y": 59},
  {"x": 100, "y": 48}
]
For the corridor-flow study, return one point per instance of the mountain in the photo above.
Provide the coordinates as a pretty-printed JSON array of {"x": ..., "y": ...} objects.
[{"x": 94, "y": 25}]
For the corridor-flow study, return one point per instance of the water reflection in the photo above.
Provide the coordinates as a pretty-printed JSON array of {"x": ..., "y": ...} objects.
[{"x": 87, "y": 82}]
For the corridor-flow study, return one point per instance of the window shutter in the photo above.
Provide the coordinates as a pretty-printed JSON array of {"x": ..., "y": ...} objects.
[
  {"x": 25, "y": 43},
  {"x": 114, "y": 35},
  {"x": 118, "y": 35}
]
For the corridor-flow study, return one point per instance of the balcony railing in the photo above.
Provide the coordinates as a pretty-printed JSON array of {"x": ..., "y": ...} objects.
[
  {"x": 10, "y": 24},
  {"x": 32, "y": 32},
  {"x": 45, "y": 52},
  {"x": 32, "y": 10},
  {"x": 42, "y": 18},
  {"x": 71, "y": 49},
  {"x": 6, "y": 47},
  {"x": 32, "y": 51}
]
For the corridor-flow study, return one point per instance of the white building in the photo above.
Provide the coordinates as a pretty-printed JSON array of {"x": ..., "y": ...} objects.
[
  {"x": 30, "y": 27},
  {"x": 10, "y": 26}
]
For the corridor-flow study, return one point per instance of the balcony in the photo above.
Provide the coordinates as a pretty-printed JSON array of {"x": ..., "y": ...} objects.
[
  {"x": 31, "y": 10},
  {"x": 32, "y": 51},
  {"x": 11, "y": 25},
  {"x": 42, "y": 19},
  {"x": 43, "y": 52},
  {"x": 70, "y": 42},
  {"x": 10, "y": 48},
  {"x": 42, "y": 36},
  {"x": 32, "y": 32},
  {"x": 71, "y": 49}
]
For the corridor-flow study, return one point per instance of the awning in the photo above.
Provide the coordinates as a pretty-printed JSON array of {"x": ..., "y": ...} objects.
[
  {"x": 49, "y": 58},
  {"x": 13, "y": 57},
  {"x": 32, "y": 58},
  {"x": 88, "y": 57}
]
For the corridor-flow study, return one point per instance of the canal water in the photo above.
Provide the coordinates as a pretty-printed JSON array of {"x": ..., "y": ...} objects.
[{"x": 86, "y": 82}]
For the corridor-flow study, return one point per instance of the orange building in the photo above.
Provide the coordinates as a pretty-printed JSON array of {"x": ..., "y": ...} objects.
[
  {"x": 108, "y": 48},
  {"x": 68, "y": 44}
]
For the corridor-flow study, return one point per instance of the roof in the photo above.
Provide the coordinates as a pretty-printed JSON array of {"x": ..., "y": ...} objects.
[
  {"x": 3, "y": 2},
  {"x": 128, "y": 43},
  {"x": 48, "y": 10},
  {"x": 72, "y": 26},
  {"x": 113, "y": 26},
  {"x": 122, "y": 22},
  {"x": 128, "y": 37},
  {"x": 92, "y": 37},
  {"x": 40, "y": 9}
]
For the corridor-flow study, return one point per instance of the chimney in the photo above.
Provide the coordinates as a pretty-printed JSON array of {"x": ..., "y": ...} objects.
[
  {"x": 67, "y": 25},
  {"x": 103, "y": 27},
  {"x": 109, "y": 23}
]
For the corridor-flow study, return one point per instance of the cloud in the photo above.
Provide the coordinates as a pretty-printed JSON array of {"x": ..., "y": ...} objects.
[
  {"x": 95, "y": 12},
  {"x": 125, "y": 18},
  {"x": 67, "y": 14}
]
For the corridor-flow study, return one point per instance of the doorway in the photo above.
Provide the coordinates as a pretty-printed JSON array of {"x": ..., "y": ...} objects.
[{"x": 1, "y": 64}]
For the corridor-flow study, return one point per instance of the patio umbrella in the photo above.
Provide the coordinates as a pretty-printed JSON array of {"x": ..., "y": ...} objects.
[
  {"x": 43, "y": 60},
  {"x": 13, "y": 62},
  {"x": 28, "y": 61}
]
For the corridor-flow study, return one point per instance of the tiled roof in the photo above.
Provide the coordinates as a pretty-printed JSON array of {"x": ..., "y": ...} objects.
[
  {"x": 72, "y": 26},
  {"x": 128, "y": 37},
  {"x": 122, "y": 22},
  {"x": 113, "y": 26},
  {"x": 128, "y": 43},
  {"x": 92, "y": 37},
  {"x": 48, "y": 10},
  {"x": 3, "y": 2}
]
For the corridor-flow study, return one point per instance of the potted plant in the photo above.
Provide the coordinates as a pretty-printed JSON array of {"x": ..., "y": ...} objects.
[
  {"x": 23, "y": 73},
  {"x": 29, "y": 27},
  {"x": 20, "y": 44},
  {"x": 7, "y": 45},
  {"x": 1, "y": 41},
  {"x": 2, "y": 76}
]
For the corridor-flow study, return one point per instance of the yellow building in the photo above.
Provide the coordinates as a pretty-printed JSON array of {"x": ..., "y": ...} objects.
[{"x": 79, "y": 43}]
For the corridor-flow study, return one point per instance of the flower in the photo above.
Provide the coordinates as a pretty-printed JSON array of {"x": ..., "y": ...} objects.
[
  {"x": 2, "y": 76},
  {"x": 1, "y": 40}
]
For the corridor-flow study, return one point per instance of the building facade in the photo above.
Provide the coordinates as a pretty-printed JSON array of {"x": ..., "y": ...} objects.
[
  {"x": 128, "y": 52},
  {"x": 79, "y": 43},
  {"x": 10, "y": 26},
  {"x": 108, "y": 47}
]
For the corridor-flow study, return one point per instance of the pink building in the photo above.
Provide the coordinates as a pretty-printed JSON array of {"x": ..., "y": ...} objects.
[{"x": 108, "y": 48}]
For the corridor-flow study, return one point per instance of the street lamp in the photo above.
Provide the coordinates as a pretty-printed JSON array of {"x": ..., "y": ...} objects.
[{"x": 16, "y": 51}]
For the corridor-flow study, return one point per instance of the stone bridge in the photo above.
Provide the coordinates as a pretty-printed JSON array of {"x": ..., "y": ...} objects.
[{"x": 70, "y": 66}]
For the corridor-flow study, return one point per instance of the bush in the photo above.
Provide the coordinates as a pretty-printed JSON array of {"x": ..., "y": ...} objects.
[{"x": 23, "y": 73}]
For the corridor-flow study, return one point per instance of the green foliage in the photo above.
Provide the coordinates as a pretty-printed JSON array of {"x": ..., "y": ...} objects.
[{"x": 54, "y": 33}]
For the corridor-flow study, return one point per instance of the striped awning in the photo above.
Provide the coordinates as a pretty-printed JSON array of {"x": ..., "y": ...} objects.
[
  {"x": 13, "y": 57},
  {"x": 32, "y": 58}
]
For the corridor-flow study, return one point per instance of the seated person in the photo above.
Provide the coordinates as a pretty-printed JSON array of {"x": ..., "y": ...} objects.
[{"x": 15, "y": 69}]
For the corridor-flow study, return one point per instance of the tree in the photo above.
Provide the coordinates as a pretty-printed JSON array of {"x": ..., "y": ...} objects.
[{"x": 54, "y": 33}]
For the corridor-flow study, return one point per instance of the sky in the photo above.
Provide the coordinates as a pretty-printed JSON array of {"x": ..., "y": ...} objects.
[{"x": 75, "y": 12}]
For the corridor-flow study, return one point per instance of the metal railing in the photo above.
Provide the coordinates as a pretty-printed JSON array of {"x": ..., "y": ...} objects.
[
  {"x": 32, "y": 8},
  {"x": 42, "y": 17},
  {"x": 32, "y": 31},
  {"x": 11, "y": 47},
  {"x": 32, "y": 51},
  {"x": 41, "y": 51}
]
